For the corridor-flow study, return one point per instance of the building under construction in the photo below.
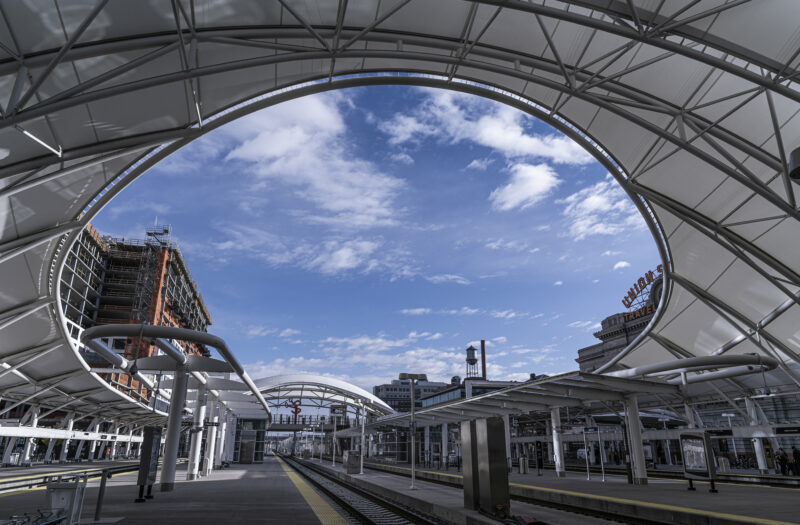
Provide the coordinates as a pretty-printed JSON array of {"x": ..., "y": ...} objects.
[{"x": 117, "y": 280}]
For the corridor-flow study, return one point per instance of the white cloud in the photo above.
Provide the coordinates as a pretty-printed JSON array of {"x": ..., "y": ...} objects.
[
  {"x": 137, "y": 207},
  {"x": 622, "y": 264},
  {"x": 480, "y": 164},
  {"x": 448, "y": 278},
  {"x": 601, "y": 209},
  {"x": 502, "y": 244},
  {"x": 403, "y": 158},
  {"x": 501, "y": 339},
  {"x": 289, "y": 332},
  {"x": 558, "y": 283},
  {"x": 507, "y": 314},
  {"x": 260, "y": 331},
  {"x": 334, "y": 256},
  {"x": 610, "y": 253},
  {"x": 464, "y": 310},
  {"x": 415, "y": 311},
  {"x": 347, "y": 192},
  {"x": 529, "y": 184},
  {"x": 453, "y": 117}
]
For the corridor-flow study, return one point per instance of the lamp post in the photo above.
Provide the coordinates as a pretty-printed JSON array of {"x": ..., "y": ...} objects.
[
  {"x": 733, "y": 439},
  {"x": 413, "y": 378}
]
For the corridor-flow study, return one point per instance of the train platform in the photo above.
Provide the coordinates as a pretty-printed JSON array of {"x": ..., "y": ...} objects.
[
  {"x": 260, "y": 493},
  {"x": 661, "y": 501}
]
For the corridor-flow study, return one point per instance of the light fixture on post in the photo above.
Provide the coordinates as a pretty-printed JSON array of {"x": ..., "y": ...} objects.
[{"x": 404, "y": 376}]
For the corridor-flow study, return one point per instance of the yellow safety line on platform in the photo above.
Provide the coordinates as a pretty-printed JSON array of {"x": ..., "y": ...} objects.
[
  {"x": 326, "y": 514},
  {"x": 750, "y": 519},
  {"x": 663, "y": 506}
]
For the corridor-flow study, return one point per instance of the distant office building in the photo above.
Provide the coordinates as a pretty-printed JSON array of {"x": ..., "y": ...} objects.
[
  {"x": 397, "y": 394},
  {"x": 111, "y": 280}
]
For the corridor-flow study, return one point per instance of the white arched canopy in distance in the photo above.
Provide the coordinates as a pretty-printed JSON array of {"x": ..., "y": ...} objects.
[
  {"x": 692, "y": 106},
  {"x": 319, "y": 391}
]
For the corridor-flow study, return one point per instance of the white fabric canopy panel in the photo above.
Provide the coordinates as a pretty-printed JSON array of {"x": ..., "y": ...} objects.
[
  {"x": 692, "y": 106},
  {"x": 319, "y": 391}
]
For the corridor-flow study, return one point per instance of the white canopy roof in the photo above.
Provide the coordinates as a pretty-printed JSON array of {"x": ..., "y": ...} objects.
[{"x": 692, "y": 106}]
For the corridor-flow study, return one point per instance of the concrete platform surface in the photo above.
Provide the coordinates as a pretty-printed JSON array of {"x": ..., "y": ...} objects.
[
  {"x": 452, "y": 499},
  {"x": 734, "y": 502},
  {"x": 259, "y": 493}
]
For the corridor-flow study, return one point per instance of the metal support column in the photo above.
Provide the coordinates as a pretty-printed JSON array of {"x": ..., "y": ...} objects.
[
  {"x": 65, "y": 445},
  {"x": 758, "y": 443},
  {"x": 634, "y": 426},
  {"x": 212, "y": 413},
  {"x": 507, "y": 429},
  {"x": 174, "y": 421},
  {"x": 222, "y": 441},
  {"x": 558, "y": 448},
  {"x": 363, "y": 428},
  {"x": 427, "y": 444},
  {"x": 28, "y": 450},
  {"x": 444, "y": 451},
  {"x": 197, "y": 433}
]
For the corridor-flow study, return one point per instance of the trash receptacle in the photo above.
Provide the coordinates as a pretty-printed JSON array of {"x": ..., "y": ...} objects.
[
  {"x": 67, "y": 496},
  {"x": 523, "y": 465},
  {"x": 353, "y": 463}
]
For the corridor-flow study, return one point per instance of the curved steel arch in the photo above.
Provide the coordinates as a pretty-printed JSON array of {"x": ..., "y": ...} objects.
[
  {"x": 706, "y": 155},
  {"x": 321, "y": 391}
]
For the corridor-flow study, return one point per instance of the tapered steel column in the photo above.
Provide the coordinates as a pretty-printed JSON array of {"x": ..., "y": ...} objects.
[
  {"x": 222, "y": 437},
  {"x": 558, "y": 448},
  {"x": 65, "y": 447},
  {"x": 26, "y": 452},
  {"x": 197, "y": 433},
  {"x": 758, "y": 443},
  {"x": 177, "y": 402},
  {"x": 211, "y": 436},
  {"x": 631, "y": 405}
]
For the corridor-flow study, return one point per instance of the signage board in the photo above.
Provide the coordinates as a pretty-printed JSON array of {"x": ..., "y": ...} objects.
[
  {"x": 698, "y": 456},
  {"x": 725, "y": 432},
  {"x": 640, "y": 286},
  {"x": 148, "y": 461},
  {"x": 590, "y": 430},
  {"x": 786, "y": 430}
]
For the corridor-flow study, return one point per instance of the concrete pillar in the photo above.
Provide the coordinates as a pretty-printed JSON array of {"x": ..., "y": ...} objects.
[
  {"x": 222, "y": 439},
  {"x": 363, "y": 423},
  {"x": 211, "y": 436},
  {"x": 758, "y": 444},
  {"x": 548, "y": 445},
  {"x": 197, "y": 433},
  {"x": 558, "y": 448},
  {"x": 65, "y": 446},
  {"x": 81, "y": 443},
  {"x": 631, "y": 405},
  {"x": 174, "y": 421},
  {"x": 28, "y": 450},
  {"x": 667, "y": 452}
]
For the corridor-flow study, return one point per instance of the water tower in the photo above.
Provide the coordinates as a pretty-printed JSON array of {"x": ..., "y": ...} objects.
[{"x": 472, "y": 362}]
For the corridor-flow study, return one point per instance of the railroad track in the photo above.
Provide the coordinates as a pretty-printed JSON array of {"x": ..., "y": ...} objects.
[{"x": 361, "y": 506}]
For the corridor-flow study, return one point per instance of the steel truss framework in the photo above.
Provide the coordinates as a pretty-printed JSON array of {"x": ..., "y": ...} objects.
[{"x": 693, "y": 106}]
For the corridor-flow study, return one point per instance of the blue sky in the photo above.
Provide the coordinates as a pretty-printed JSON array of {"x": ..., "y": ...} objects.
[{"x": 372, "y": 231}]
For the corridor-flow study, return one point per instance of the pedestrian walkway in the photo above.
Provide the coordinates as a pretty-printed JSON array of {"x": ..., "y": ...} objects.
[
  {"x": 734, "y": 502},
  {"x": 258, "y": 493}
]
